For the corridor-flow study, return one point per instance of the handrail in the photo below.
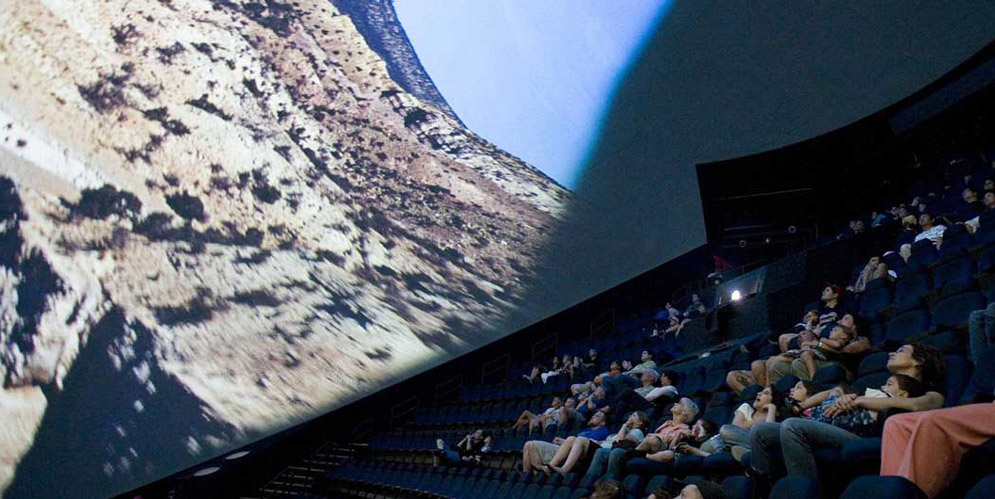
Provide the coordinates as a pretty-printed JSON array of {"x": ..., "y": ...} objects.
[
  {"x": 604, "y": 321},
  {"x": 403, "y": 408},
  {"x": 544, "y": 346},
  {"x": 496, "y": 365},
  {"x": 448, "y": 387}
]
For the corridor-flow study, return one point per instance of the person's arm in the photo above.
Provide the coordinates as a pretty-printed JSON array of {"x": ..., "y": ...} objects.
[
  {"x": 740, "y": 420},
  {"x": 771, "y": 416},
  {"x": 927, "y": 402},
  {"x": 858, "y": 346},
  {"x": 686, "y": 448},
  {"x": 622, "y": 431},
  {"x": 830, "y": 344},
  {"x": 815, "y": 400}
]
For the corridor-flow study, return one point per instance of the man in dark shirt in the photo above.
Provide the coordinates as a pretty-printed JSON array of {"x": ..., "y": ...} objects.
[{"x": 972, "y": 205}]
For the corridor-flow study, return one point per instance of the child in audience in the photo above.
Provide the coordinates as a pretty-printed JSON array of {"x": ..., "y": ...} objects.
[
  {"x": 657, "y": 444},
  {"x": 802, "y": 391},
  {"x": 702, "y": 440},
  {"x": 863, "y": 422},
  {"x": 827, "y": 349}
]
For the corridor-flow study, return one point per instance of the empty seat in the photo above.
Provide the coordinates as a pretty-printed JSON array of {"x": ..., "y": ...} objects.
[
  {"x": 984, "y": 489},
  {"x": 907, "y": 325},
  {"x": 891, "y": 487},
  {"x": 909, "y": 291},
  {"x": 954, "y": 276},
  {"x": 874, "y": 301},
  {"x": 953, "y": 312}
]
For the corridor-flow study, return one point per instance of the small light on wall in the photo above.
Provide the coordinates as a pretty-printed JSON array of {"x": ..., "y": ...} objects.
[{"x": 736, "y": 295}]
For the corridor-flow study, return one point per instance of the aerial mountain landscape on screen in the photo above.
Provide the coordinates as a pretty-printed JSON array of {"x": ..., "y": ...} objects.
[{"x": 222, "y": 217}]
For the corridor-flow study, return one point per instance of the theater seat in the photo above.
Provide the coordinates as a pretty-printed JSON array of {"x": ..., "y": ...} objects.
[
  {"x": 954, "y": 276},
  {"x": 984, "y": 489},
  {"x": 872, "y": 363},
  {"x": 890, "y": 487},
  {"x": 906, "y": 325},
  {"x": 982, "y": 382},
  {"x": 832, "y": 374},
  {"x": 909, "y": 291},
  {"x": 795, "y": 487},
  {"x": 953, "y": 311},
  {"x": 862, "y": 456}
]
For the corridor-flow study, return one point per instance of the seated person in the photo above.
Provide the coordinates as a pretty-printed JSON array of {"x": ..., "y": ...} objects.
[
  {"x": 606, "y": 489},
  {"x": 614, "y": 370},
  {"x": 701, "y": 441},
  {"x": 831, "y": 310},
  {"x": 595, "y": 401},
  {"x": 802, "y": 391},
  {"x": 827, "y": 353},
  {"x": 874, "y": 270},
  {"x": 861, "y": 421},
  {"x": 591, "y": 363},
  {"x": 644, "y": 397},
  {"x": 575, "y": 449},
  {"x": 822, "y": 353},
  {"x": 646, "y": 363},
  {"x": 931, "y": 229},
  {"x": 468, "y": 451},
  {"x": 657, "y": 445},
  {"x": 614, "y": 449},
  {"x": 548, "y": 417},
  {"x": 799, "y": 439},
  {"x": 764, "y": 409}
]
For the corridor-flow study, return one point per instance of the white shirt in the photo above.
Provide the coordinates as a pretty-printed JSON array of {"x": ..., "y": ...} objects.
[{"x": 933, "y": 234}]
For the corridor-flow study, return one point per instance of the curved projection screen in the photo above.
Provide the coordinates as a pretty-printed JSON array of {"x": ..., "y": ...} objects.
[{"x": 220, "y": 218}]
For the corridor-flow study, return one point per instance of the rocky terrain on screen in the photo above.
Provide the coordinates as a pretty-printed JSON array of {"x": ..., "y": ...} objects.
[{"x": 231, "y": 202}]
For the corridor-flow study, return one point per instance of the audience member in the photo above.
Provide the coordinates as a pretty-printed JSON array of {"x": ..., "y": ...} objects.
[{"x": 468, "y": 451}]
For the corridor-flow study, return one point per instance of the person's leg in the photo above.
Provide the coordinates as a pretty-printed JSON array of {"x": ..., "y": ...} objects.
[
  {"x": 734, "y": 435},
  {"x": 784, "y": 339},
  {"x": 758, "y": 369},
  {"x": 934, "y": 443},
  {"x": 990, "y": 324},
  {"x": 808, "y": 358},
  {"x": 616, "y": 459},
  {"x": 598, "y": 464},
  {"x": 562, "y": 452},
  {"x": 739, "y": 380},
  {"x": 577, "y": 451},
  {"x": 765, "y": 441},
  {"x": 530, "y": 457},
  {"x": 776, "y": 371},
  {"x": 800, "y": 438}
]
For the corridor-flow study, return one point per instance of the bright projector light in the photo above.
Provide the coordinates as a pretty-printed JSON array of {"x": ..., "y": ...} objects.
[{"x": 736, "y": 295}]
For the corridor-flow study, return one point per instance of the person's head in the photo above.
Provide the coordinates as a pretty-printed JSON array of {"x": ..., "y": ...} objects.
[
  {"x": 859, "y": 226},
  {"x": 614, "y": 368},
  {"x": 597, "y": 419},
  {"x": 703, "y": 429},
  {"x": 848, "y": 320},
  {"x": 902, "y": 386},
  {"x": 831, "y": 293},
  {"x": 556, "y": 362},
  {"x": 926, "y": 221},
  {"x": 648, "y": 377},
  {"x": 802, "y": 390},
  {"x": 626, "y": 365},
  {"x": 478, "y": 435},
  {"x": 567, "y": 359},
  {"x": 701, "y": 490},
  {"x": 660, "y": 493},
  {"x": 668, "y": 377},
  {"x": 608, "y": 489},
  {"x": 841, "y": 333},
  {"x": 646, "y": 356},
  {"x": 592, "y": 353},
  {"x": 599, "y": 392},
  {"x": 684, "y": 411},
  {"x": 695, "y": 298},
  {"x": 639, "y": 419},
  {"x": 557, "y": 402},
  {"x": 764, "y": 397},
  {"x": 812, "y": 315},
  {"x": 902, "y": 212},
  {"x": 905, "y": 251},
  {"x": 989, "y": 185},
  {"x": 989, "y": 199},
  {"x": 921, "y": 362},
  {"x": 570, "y": 403},
  {"x": 968, "y": 195}
]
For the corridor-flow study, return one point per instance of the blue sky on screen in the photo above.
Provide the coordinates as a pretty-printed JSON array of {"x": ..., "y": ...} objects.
[{"x": 532, "y": 76}]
